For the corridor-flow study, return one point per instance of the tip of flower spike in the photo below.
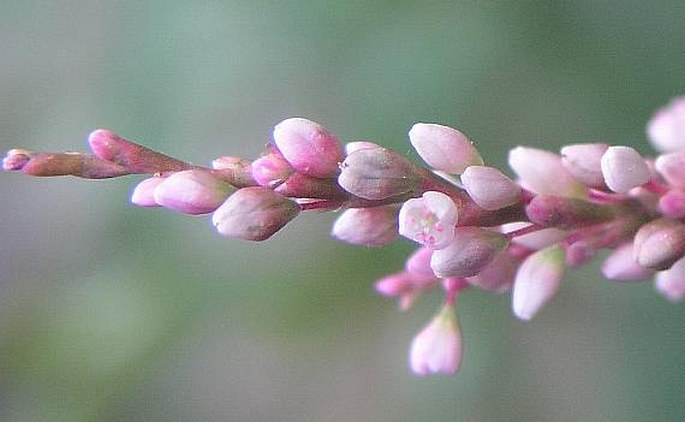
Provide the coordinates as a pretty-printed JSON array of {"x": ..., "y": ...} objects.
[
  {"x": 16, "y": 159},
  {"x": 101, "y": 142}
]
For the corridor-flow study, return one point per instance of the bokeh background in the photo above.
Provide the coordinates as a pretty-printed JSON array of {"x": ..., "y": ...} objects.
[{"x": 113, "y": 313}]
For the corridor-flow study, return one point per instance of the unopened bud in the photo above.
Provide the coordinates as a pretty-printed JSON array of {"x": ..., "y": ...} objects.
[
  {"x": 308, "y": 147},
  {"x": 378, "y": 173},
  {"x": 376, "y": 226},
  {"x": 270, "y": 170},
  {"x": 192, "y": 192},
  {"x": 671, "y": 283},
  {"x": 438, "y": 348},
  {"x": 254, "y": 213},
  {"x": 672, "y": 167},
  {"x": 444, "y": 148},
  {"x": 583, "y": 161},
  {"x": 672, "y": 204},
  {"x": 351, "y": 147},
  {"x": 143, "y": 194},
  {"x": 621, "y": 265},
  {"x": 567, "y": 213},
  {"x": 542, "y": 172},
  {"x": 489, "y": 188},
  {"x": 537, "y": 281},
  {"x": 498, "y": 275},
  {"x": 536, "y": 240},
  {"x": 659, "y": 244},
  {"x": 666, "y": 129},
  {"x": 623, "y": 169},
  {"x": 471, "y": 251}
]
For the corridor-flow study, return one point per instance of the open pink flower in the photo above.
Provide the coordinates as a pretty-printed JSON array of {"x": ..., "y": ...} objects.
[{"x": 429, "y": 220}]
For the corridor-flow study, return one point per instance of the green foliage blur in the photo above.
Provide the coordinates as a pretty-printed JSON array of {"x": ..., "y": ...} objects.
[{"x": 114, "y": 313}]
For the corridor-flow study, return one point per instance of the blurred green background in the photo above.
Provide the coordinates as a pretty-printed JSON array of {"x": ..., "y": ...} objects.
[{"x": 113, "y": 313}]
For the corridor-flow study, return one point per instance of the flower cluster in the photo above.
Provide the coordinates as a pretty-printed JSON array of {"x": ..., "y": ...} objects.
[{"x": 475, "y": 226}]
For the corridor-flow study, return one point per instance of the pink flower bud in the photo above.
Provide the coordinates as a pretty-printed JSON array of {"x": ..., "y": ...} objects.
[
  {"x": 437, "y": 349},
  {"x": 192, "y": 192},
  {"x": 429, "y": 220},
  {"x": 351, "y": 147},
  {"x": 536, "y": 240},
  {"x": 666, "y": 129},
  {"x": 542, "y": 172},
  {"x": 621, "y": 265},
  {"x": 394, "y": 285},
  {"x": 579, "y": 253},
  {"x": 672, "y": 204},
  {"x": 659, "y": 244},
  {"x": 672, "y": 167},
  {"x": 375, "y": 226},
  {"x": 471, "y": 251},
  {"x": 567, "y": 213},
  {"x": 254, "y": 213},
  {"x": 671, "y": 283},
  {"x": 378, "y": 173},
  {"x": 308, "y": 147},
  {"x": 489, "y": 188},
  {"x": 583, "y": 161},
  {"x": 444, "y": 148},
  {"x": 270, "y": 170},
  {"x": 144, "y": 193},
  {"x": 498, "y": 275},
  {"x": 419, "y": 263},
  {"x": 624, "y": 169},
  {"x": 537, "y": 281},
  {"x": 229, "y": 162}
]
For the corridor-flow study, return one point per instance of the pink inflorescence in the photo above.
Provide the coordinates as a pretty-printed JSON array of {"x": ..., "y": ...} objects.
[{"x": 476, "y": 226}]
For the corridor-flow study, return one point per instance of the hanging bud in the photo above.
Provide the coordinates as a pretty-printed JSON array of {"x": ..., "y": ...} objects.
[
  {"x": 542, "y": 172},
  {"x": 671, "y": 283},
  {"x": 567, "y": 213},
  {"x": 378, "y": 173},
  {"x": 192, "y": 192},
  {"x": 672, "y": 167},
  {"x": 437, "y": 349},
  {"x": 144, "y": 193},
  {"x": 444, "y": 148},
  {"x": 489, "y": 188},
  {"x": 471, "y": 251},
  {"x": 583, "y": 161},
  {"x": 429, "y": 220},
  {"x": 623, "y": 169},
  {"x": 376, "y": 226},
  {"x": 666, "y": 129},
  {"x": 254, "y": 213},
  {"x": 659, "y": 243},
  {"x": 621, "y": 265},
  {"x": 308, "y": 147},
  {"x": 537, "y": 281}
]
